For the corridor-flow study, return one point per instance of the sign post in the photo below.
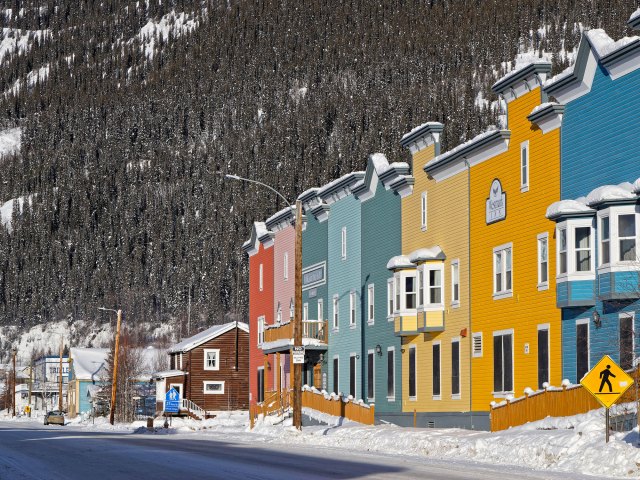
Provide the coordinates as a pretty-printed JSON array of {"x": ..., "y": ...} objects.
[
  {"x": 607, "y": 382},
  {"x": 298, "y": 355}
]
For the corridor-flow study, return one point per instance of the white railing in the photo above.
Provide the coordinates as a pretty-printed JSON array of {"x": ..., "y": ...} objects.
[{"x": 193, "y": 408}]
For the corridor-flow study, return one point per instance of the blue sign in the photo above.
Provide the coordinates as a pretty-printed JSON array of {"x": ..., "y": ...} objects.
[{"x": 172, "y": 401}]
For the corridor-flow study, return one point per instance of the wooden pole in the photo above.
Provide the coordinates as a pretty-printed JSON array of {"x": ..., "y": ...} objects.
[
  {"x": 13, "y": 387},
  {"x": 30, "y": 384},
  {"x": 115, "y": 369},
  {"x": 297, "y": 322},
  {"x": 60, "y": 376}
]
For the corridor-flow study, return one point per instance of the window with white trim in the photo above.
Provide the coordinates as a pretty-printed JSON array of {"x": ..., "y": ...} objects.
[
  {"x": 412, "y": 372},
  {"x": 582, "y": 237},
  {"x": 344, "y": 243},
  {"x": 436, "y": 346},
  {"x": 627, "y": 237},
  {"x": 371, "y": 376},
  {"x": 543, "y": 355},
  {"x": 605, "y": 243},
  {"x": 410, "y": 292},
  {"x": 397, "y": 289},
  {"x": 626, "y": 334},
  {"x": 352, "y": 308},
  {"x": 292, "y": 310},
  {"x": 286, "y": 265},
  {"x": 371, "y": 304},
  {"x": 390, "y": 308},
  {"x": 305, "y": 312},
  {"x": 524, "y": 166},
  {"x": 279, "y": 314},
  {"x": 420, "y": 285},
  {"x": 582, "y": 348},
  {"x": 261, "y": 277},
  {"x": 320, "y": 309},
  {"x": 502, "y": 271},
  {"x": 391, "y": 374},
  {"x": 455, "y": 368},
  {"x": 336, "y": 373},
  {"x": 543, "y": 261},
  {"x": 476, "y": 340},
  {"x": 336, "y": 311},
  {"x": 562, "y": 251},
  {"x": 503, "y": 362},
  {"x": 455, "y": 283},
  {"x": 575, "y": 247},
  {"x": 423, "y": 211},
  {"x": 433, "y": 284},
  {"x": 213, "y": 387},
  {"x": 261, "y": 320},
  {"x": 212, "y": 359},
  {"x": 618, "y": 236}
]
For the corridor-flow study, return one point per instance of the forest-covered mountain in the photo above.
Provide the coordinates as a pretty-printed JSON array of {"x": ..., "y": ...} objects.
[{"x": 128, "y": 110}]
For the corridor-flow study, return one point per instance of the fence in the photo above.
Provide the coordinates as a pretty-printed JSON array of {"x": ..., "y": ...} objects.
[{"x": 551, "y": 402}]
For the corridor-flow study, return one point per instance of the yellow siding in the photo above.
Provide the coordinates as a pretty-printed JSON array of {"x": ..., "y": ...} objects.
[
  {"x": 447, "y": 226},
  {"x": 528, "y": 307}
]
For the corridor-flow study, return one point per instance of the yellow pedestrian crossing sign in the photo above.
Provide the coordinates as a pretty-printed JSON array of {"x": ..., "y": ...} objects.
[{"x": 606, "y": 381}]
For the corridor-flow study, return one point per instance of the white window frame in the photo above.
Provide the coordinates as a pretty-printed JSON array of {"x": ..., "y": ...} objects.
[
  {"x": 371, "y": 304},
  {"x": 547, "y": 327},
  {"x": 352, "y": 309},
  {"x": 428, "y": 268},
  {"x": 584, "y": 321},
  {"x": 543, "y": 285},
  {"x": 474, "y": 353},
  {"x": 212, "y": 382},
  {"x": 305, "y": 312},
  {"x": 415, "y": 369},
  {"x": 179, "y": 387},
  {"x": 423, "y": 211},
  {"x": 613, "y": 213},
  {"x": 498, "y": 333},
  {"x": 279, "y": 314},
  {"x": 261, "y": 274},
  {"x": 261, "y": 323},
  {"x": 620, "y": 211},
  {"x": 373, "y": 375},
  {"x": 336, "y": 313},
  {"x": 286, "y": 266},
  {"x": 420, "y": 287},
  {"x": 501, "y": 251},
  {"x": 392, "y": 398},
  {"x": 344, "y": 243},
  {"x": 335, "y": 372},
  {"x": 457, "y": 396},
  {"x": 206, "y": 351},
  {"x": 400, "y": 308},
  {"x": 455, "y": 269},
  {"x": 439, "y": 344},
  {"x": 525, "y": 166},
  {"x": 570, "y": 226},
  {"x": 292, "y": 310},
  {"x": 624, "y": 315},
  {"x": 355, "y": 356},
  {"x": 602, "y": 215},
  {"x": 320, "y": 309},
  {"x": 390, "y": 307}
]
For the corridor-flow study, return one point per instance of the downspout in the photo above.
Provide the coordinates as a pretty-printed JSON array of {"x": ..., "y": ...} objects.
[{"x": 469, "y": 333}]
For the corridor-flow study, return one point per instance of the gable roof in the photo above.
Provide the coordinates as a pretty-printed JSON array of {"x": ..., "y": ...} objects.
[
  {"x": 88, "y": 362},
  {"x": 206, "y": 335},
  {"x": 391, "y": 176},
  {"x": 259, "y": 233}
]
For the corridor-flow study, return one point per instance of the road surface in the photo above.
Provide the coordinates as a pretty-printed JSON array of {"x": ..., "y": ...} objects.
[{"x": 31, "y": 451}]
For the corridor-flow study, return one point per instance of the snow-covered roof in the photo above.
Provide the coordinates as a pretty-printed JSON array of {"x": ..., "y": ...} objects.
[
  {"x": 87, "y": 362},
  {"x": 566, "y": 208},
  {"x": 258, "y": 231},
  {"x": 636, "y": 186},
  {"x": 426, "y": 254},
  {"x": 634, "y": 19},
  {"x": 168, "y": 373},
  {"x": 286, "y": 214},
  {"x": 542, "y": 106},
  {"x": 518, "y": 74},
  {"x": 399, "y": 261},
  {"x": 467, "y": 148},
  {"x": 611, "y": 193},
  {"x": 206, "y": 335},
  {"x": 345, "y": 183},
  {"x": 379, "y": 162}
]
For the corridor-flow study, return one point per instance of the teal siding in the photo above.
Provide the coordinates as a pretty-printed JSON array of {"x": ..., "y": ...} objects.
[
  {"x": 381, "y": 240},
  {"x": 344, "y": 277}
]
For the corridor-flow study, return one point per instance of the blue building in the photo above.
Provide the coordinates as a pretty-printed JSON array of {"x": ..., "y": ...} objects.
[{"x": 598, "y": 220}]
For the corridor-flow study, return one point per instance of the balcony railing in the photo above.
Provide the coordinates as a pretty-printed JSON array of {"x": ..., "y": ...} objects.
[{"x": 311, "y": 330}]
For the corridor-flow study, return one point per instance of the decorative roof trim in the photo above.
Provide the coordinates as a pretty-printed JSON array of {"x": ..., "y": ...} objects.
[
  {"x": 281, "y": 220},
  {"x": 422, "y": 136},
  {"x": 321, "y": 212},
  {"x": 634, "y": 20},
  {"x": 522, "y": 80},
  {"x": 259, "y": 234},
  {"x": 340, "y": 188},
  {"x": 547, "y": 117}
]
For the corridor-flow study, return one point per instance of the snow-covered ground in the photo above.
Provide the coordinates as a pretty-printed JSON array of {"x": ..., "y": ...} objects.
[{"x": 571, "y": 444}]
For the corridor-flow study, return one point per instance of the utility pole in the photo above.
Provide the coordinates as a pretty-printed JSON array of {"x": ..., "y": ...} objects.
[
  {"x": 13, "y": 387},
  {"x": 30, "y": 384},
  {"x": 60, "y": 376},
  {"x": 115, "y": 369},
  {"x": 297, "y": 321}
]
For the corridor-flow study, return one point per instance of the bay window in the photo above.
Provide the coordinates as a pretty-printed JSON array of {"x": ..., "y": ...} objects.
[
  {"x": 410, "y": 292},
  {"x": 618, "y": 236},
  {"x": 627, "y": 237},
  {"x": 405, "y": 292},
  {"x": 605, "y": 244},
  {"x": 433, "y": 279},
  {"x": 575, "y": 249},
  {"x": 582, "y": 236}
]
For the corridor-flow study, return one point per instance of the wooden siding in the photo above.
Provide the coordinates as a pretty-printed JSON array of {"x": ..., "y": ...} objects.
[
  {"x": 236, "y": 386},
  {"x": 447, "y": 227},
  {"x": 525, "y": 219},
  {"x": 260, "y": 304},
  {"x": 283, "y": 290},
  {"x": 600, "y": 146}
]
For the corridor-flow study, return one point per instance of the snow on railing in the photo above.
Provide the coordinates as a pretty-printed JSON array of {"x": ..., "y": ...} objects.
[{"x": 338, "y": 405}]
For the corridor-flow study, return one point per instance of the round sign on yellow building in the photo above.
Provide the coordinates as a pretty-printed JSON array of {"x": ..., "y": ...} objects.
[{"x": 606, "y": 381}]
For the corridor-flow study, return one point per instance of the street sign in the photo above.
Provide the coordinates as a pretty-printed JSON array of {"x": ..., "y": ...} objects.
[
  {"x": 172, "y": 401},
  {"x": 298, "y": 355},
  {"x": 606, "y": 381}
]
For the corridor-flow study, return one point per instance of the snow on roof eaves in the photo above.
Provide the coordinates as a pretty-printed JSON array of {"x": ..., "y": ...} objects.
[
  {"x": 467, "y": 148},
  {"x": 168, "y": 373},
  {"x": 398, "y": 262},
  {"x": 636, "y": 185},
  {"x": 634, "y": 20},
  {"x": 611, "y": 194},
  {"x": 344, "y": 182},
  {"x": 206, "y": 335},
  {"x": 285, "y": 215},
  {"x": 520, "y": 74},
  {"x": 87, "y": 362},
  {"x": 568, "y": 208},
  {"x": 427, "y": 254},
  {"x": 259, "y": 232},
  {"x": 308, "y": 194},
  {"x": 545, "y": 109},
  {"x": 420, "y": 131}
]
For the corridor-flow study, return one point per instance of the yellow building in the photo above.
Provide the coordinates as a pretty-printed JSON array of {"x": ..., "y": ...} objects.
[
  {"x": 515, "y": 324},
  {"x": 428, "y": 293}
]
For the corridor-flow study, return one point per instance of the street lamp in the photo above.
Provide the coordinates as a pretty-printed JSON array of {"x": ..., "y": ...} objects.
[
  {"x": 116, "y": 350},
  {"x": 297, "y": 318}
]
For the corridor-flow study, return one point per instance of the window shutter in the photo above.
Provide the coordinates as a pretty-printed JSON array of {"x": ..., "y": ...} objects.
[{"x": 477, "y": 344}]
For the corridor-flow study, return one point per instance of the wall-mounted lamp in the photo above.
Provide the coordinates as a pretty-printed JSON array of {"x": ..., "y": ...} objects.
[
  {"x": 322, "y": 359},
  {"x": 378, "y": 350},
  {"x": 268, "y": 365},
  {"x": 402, "y": 350},
  {"x": 596, "y": 319}
]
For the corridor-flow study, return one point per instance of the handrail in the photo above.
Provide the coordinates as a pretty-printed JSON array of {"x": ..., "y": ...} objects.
[{"x": 192, "y": 407}]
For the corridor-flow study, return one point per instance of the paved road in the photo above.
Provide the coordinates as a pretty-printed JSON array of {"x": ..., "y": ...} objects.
[{"x": 30, "y": 451}]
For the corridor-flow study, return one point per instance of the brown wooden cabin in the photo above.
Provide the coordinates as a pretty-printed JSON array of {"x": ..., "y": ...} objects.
[{"x": 210, "y": 370}]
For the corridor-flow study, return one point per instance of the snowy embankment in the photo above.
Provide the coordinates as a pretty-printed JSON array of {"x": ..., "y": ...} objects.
[{"x": 572, "y": 444}]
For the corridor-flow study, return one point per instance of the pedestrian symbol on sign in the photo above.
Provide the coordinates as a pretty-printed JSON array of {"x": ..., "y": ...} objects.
[{"x": 604, "y": 375}]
